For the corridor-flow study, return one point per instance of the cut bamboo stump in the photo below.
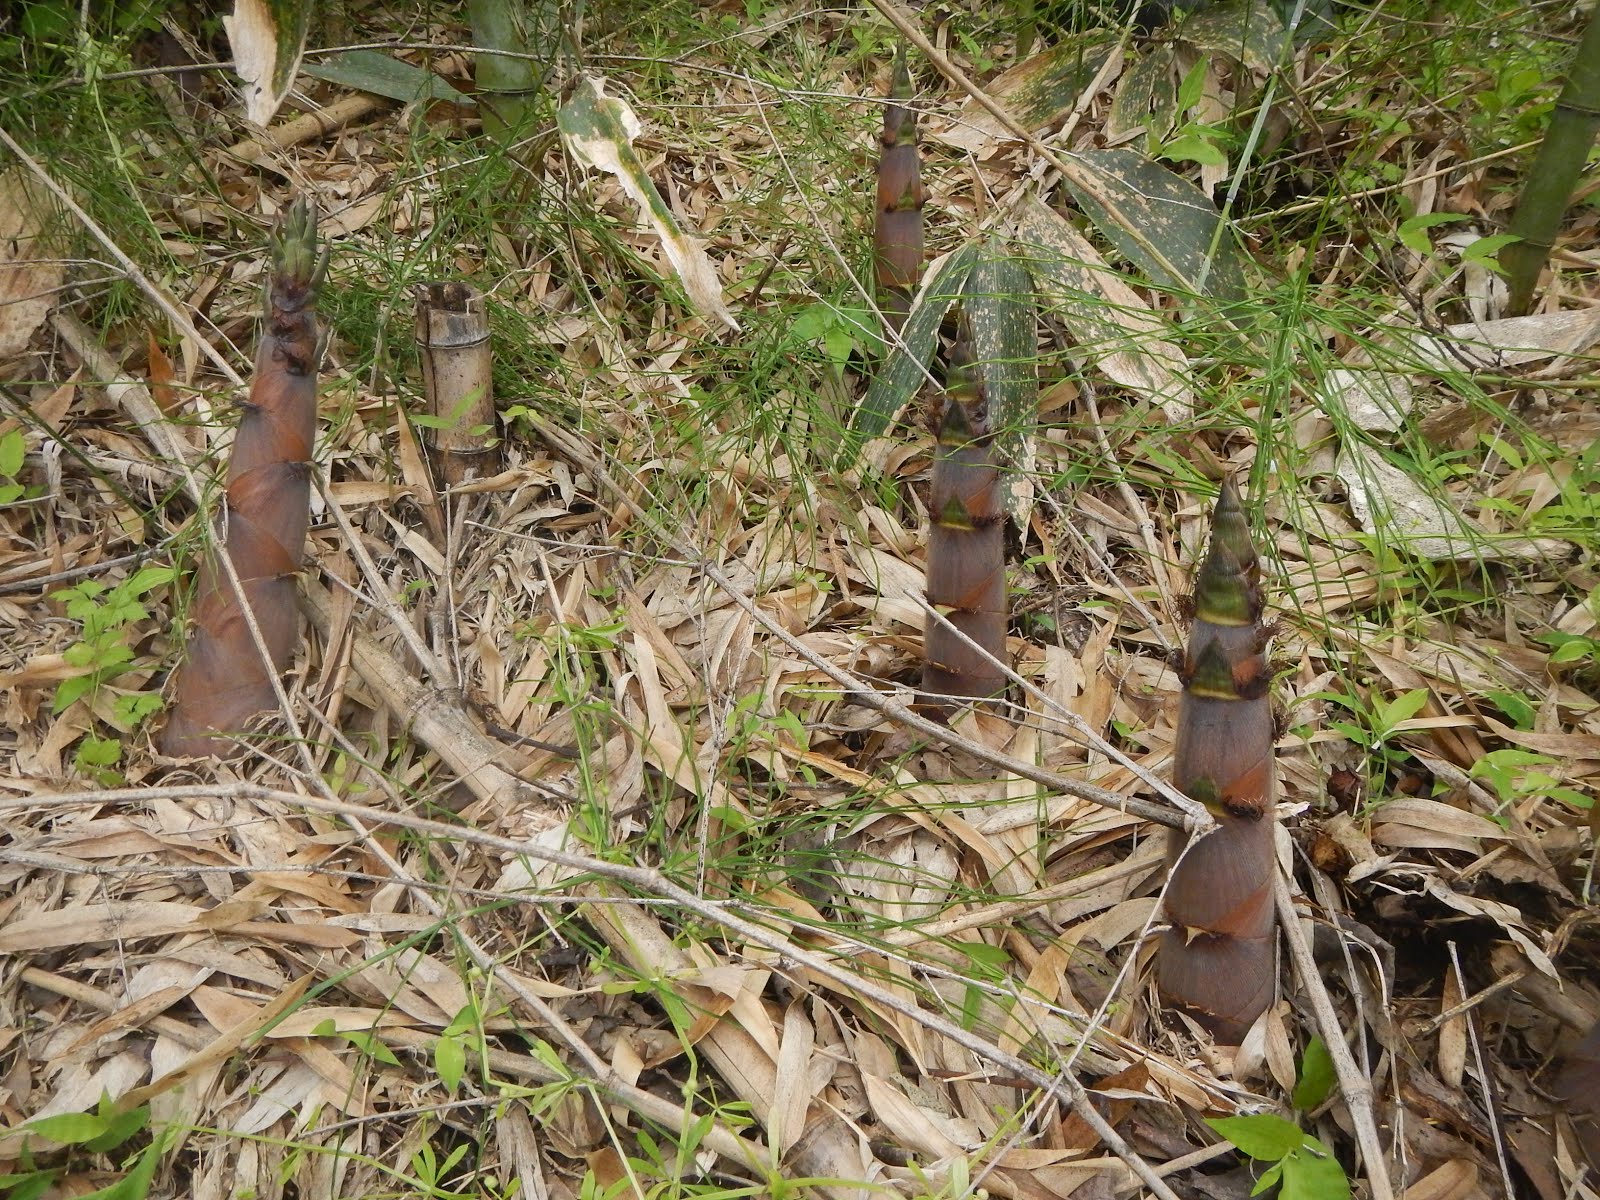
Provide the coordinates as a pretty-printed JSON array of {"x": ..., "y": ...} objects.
[{"x": 458, "y": 381}]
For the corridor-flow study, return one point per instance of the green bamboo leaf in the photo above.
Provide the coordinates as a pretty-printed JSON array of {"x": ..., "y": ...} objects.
[
  {"x": 998, "y": 301},
  {"x": 906, "y": 369},
  {"x": 1132, "y": 191},
  {"x": 450, "y": 1060},
  {"x": 1317, "y": 1077},
  {"x": 382, "y": 75},
  {"x": 1313, "y": 1173}
]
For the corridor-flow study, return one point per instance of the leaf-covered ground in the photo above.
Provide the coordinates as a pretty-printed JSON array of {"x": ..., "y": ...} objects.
[{"x": 593, "y": 855}]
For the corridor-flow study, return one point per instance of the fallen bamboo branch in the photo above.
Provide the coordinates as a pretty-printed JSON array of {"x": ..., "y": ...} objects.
[
  {"x": 432, "y": 717},
  {"x": 317, "y": 123}
]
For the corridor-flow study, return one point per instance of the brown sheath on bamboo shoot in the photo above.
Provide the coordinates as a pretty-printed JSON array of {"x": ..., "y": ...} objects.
[
  {"x": 224, "y": 681},
  {"x": 966, "y": 546},
  {"x": 897, "y": 236},
  {"x": 1217, "y": 961}
]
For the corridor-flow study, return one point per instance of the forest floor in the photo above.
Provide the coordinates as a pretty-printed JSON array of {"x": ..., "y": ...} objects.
[{"x": 591, "y": 855}]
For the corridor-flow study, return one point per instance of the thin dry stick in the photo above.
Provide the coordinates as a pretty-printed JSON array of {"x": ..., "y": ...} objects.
[
  {"x": 1489, "y": 1105},
  {"x": 649, "y": 882},
  {"x": 1354, "y": 1084},
  {"x": 856, "y": 687}
]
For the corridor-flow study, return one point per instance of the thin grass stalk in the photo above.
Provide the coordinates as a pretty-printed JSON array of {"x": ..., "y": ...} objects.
[
  {"x": 898, "y": 233},
  {"x": 1217, "y": 962},
  {"x": 966, "y": 545},
  {"x": 1555, "y": 172},
  {"x": 224, "y": 681}
]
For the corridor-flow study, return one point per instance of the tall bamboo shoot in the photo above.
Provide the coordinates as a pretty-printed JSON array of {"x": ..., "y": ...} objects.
[
  {"x": 1217, "y": 960},
  {"x": 897, "y": 238},
  {"x": 224, "y": 681},
  {"x": 966, "y": 545}
]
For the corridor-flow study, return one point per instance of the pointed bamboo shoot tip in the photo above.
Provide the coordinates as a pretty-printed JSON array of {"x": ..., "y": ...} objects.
[
  {"x": 900, "y": 81},
  {"x": 293, "y": 246}
]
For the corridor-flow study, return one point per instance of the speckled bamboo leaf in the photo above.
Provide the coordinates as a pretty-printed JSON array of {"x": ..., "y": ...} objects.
[
  {"x": 1171, "y": 215},
  {"x": 998, "y": 303},
  {"x": 268, "y": 37},
  {"x": 1147, "y": 97},
  {"x": 1121, "y": 335},
  {"x": 1039, "y": 92},
  {"x": 598, "y": 131},
  {"x": 905, "y": 369},
  {"x": 1246, "y": 30}
]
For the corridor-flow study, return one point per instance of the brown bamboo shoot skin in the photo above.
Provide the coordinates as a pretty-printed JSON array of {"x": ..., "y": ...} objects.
[
  {"x": 898, "y": 234},
  {"x": 966, "y": 548},
  {"x": 1217, "y": 962},
  {"x": 224, "y": 682}
]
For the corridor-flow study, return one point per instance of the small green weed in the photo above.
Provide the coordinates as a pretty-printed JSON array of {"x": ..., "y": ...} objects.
[
  {"x": 1305, "y": 1168},
  {"x": 99, "y": 1132},
  {"x": 100, "y": 656}
]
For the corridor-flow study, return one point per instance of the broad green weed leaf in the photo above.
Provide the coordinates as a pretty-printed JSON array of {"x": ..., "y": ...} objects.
[
  {"x": 1317, "y": 1076},
  {"x": 1269, "y": 1178},
  {"x": 1414, "y": 230},
  {"x": 1401, "y": 709},
  {"x": 70, "y": 1129},
  {"x": 450, "y": 1060},
  {"x": 13, "y": 449},
  {"x": 1312, "y": 1173},
  {"x": 1260, "y": 1135}
]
